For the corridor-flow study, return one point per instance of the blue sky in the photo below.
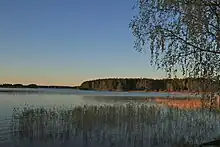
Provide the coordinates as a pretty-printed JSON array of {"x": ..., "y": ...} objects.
[{"x": 65, "y": 42}]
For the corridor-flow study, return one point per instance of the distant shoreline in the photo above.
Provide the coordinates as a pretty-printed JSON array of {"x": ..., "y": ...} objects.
[
  {"x": 33, "y": 86},
  {"x": 36, "y": 86}
]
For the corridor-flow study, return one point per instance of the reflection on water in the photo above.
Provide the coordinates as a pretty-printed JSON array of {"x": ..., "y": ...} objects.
[
  {"x": 112, "y": 125},
  {"x": 90, "y": 93},
  {"x": 100, "y": 119}
]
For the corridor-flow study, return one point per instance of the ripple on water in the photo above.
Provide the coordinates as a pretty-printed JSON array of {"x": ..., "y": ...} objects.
[{"x": 5, "y": 131}]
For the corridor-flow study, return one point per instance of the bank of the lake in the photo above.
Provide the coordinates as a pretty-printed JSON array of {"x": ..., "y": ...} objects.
[{"x": 144, "y": 84}]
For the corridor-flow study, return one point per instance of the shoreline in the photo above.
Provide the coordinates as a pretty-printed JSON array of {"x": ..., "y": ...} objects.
[
  {"x": 78, "y": 88},
  {"x": 11, "y": 89},
  {"x": 36, "y": 87}
]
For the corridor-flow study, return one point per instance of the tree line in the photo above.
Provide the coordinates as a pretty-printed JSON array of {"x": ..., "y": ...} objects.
[
  {"x": 145, "y": 84},
  {"x": 32, "y": 86}
]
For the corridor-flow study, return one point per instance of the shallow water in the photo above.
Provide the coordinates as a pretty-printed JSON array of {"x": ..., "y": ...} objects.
[
  {"x": 87, "y": 92},
  {"x": 110, "y": 121},
  {"x": 11, "y": 98}
]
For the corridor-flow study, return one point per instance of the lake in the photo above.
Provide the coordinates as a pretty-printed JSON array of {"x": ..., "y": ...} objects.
[{"x": 65, "y": 117}]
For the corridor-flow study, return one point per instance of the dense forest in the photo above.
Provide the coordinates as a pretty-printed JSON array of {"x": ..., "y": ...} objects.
[
  {"x": 143, "y": 84},
  {"x": 129, "y": 84}
]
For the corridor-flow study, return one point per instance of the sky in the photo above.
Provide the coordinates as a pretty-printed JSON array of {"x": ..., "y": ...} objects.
[{"x": 66, "y": 42}]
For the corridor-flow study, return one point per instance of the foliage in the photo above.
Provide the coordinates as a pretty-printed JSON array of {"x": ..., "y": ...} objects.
[
  {"x": 114, "y": 125},
  {"x": 183, "y": 35},
  {"x": 134, "y": 84},
  {"x": 183, "y": 32}
]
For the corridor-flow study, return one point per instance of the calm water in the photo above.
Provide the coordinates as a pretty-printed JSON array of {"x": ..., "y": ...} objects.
[
  {"x": 13, "y": 98},
  {"x": 89, "y": 118}
]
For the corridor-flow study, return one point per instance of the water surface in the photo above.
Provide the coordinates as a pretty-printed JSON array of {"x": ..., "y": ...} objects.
[{"x": 65, "y": 117}]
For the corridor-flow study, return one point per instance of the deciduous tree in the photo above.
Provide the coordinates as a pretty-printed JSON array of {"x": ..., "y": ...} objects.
[{"x": 182, "y": 35}]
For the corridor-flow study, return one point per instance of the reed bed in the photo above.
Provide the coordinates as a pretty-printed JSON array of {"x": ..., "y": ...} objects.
[{"x": 128, "y": 125}]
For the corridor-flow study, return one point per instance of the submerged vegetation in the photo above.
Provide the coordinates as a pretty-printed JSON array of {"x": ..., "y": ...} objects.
[{"x": 114, "y": 125}]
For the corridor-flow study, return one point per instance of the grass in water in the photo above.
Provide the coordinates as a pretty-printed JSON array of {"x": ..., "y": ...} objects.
[{"x": 128, "y": 125}]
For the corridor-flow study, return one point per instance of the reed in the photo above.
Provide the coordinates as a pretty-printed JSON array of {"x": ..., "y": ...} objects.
[{"x": 115, "y": 125}]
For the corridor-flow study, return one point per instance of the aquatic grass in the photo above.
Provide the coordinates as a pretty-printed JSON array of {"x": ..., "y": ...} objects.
[{"x": 116, "y": 125}]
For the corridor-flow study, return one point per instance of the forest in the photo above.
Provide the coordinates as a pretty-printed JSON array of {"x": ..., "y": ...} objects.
[{"x": 144, "y": 84}]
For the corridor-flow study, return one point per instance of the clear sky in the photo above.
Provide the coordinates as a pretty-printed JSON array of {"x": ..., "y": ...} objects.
[{"x": 65, "y": 42}]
